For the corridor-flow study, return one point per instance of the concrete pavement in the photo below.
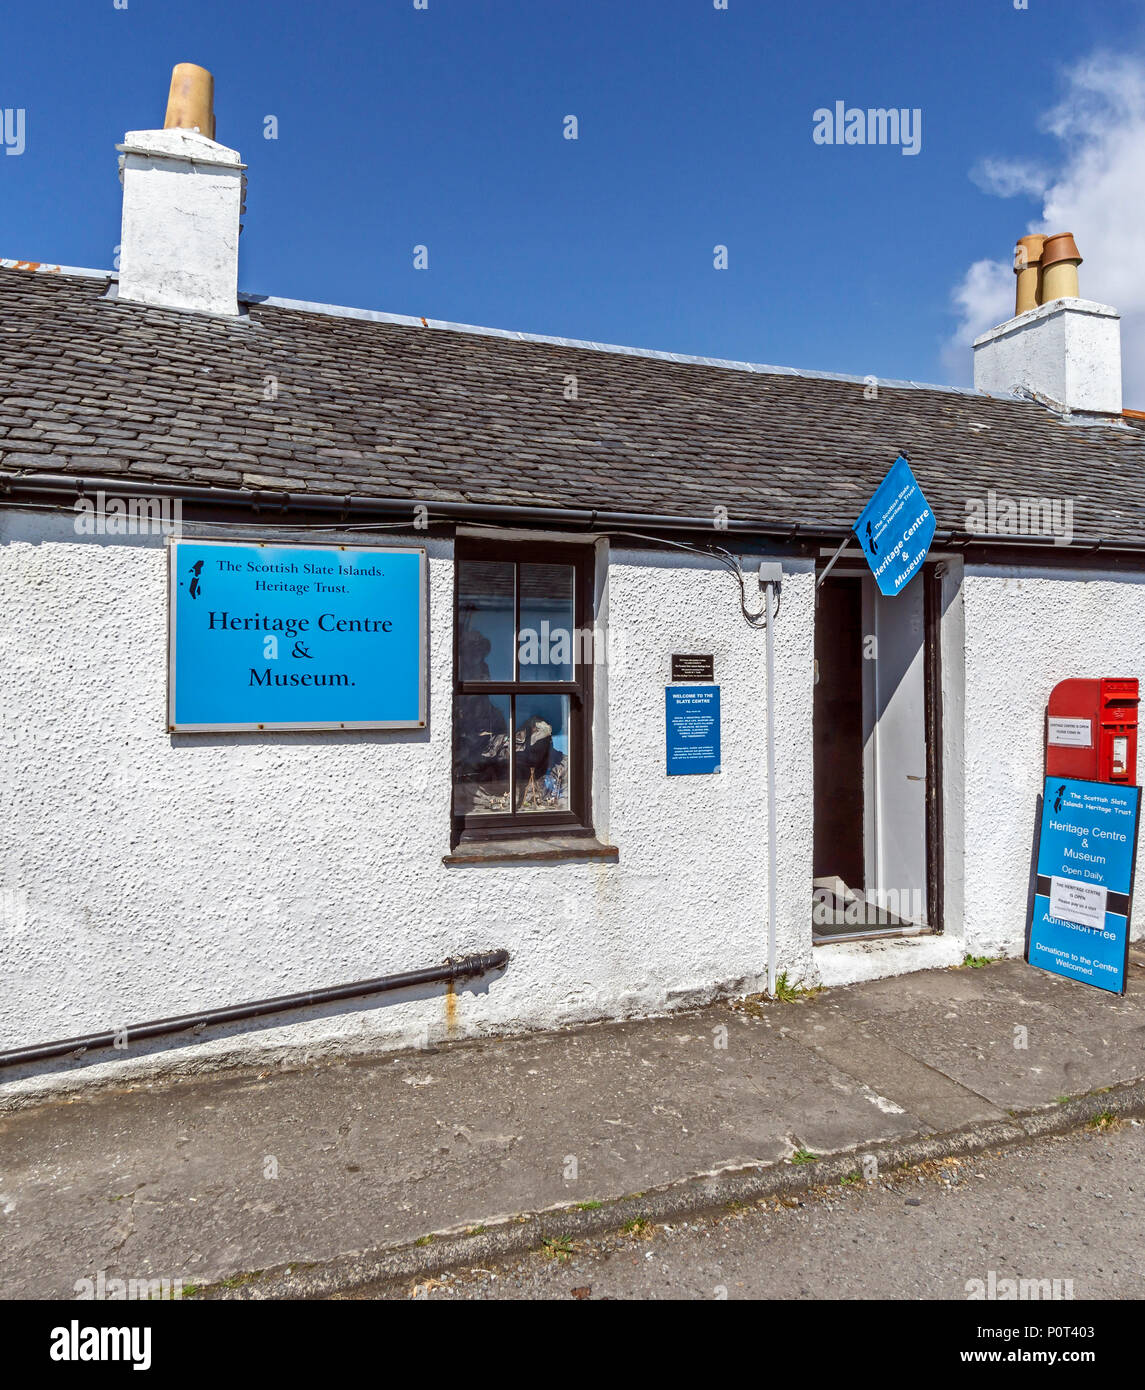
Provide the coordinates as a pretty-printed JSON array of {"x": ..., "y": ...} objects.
[
  {"x": 1061, "y": 1215},
  {"x": 333, "y": 1176}
]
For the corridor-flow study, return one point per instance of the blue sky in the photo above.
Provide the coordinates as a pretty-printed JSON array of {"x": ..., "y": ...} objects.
[{"x": 444, "y": 127}]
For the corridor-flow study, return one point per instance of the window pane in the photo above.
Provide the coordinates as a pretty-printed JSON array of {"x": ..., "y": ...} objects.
[
  {"x": 481, "y": 755},
  {"x": 545, "y": 649},
  {"x": 542, "y": 753},
  {"x": 485, "y": 620}
]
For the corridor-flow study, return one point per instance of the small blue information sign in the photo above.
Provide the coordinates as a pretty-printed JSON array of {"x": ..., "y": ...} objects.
[
  {"x": 692, "y": 717},
  {"x": 1083, "y": 897},
  {"x": 269, "y": 636},
  {"x": 895, "y": 529}
]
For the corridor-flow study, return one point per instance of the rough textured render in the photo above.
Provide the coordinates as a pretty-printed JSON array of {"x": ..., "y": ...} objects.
[
  {"x": 182, "y": 197},
  {"x": 1027, "y": 629},
  {"x": 1067, "y": 352},
  {"x": 167, "y": 874}
]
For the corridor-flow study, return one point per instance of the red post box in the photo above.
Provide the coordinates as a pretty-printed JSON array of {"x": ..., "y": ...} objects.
[{"x": 1091, "y": 730}]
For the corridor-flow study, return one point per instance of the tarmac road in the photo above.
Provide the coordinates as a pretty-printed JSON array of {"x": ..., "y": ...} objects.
[{"x": 1067, "y": 1208}]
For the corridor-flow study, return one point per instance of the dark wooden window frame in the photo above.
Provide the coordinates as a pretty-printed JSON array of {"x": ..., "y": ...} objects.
[{"x": 511, "y": 824}]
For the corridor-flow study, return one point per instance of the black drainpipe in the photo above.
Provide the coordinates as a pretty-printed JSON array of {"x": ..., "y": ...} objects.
[{"x": 463, "y": 968}]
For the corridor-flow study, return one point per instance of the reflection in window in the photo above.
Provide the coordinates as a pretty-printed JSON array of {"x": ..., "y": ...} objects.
[
  {"x": 546, "y": 633},
  {"x": 481, "y": 754},
  {"x": 485, "y": 605},
  {"x": 542, "y": 752}
]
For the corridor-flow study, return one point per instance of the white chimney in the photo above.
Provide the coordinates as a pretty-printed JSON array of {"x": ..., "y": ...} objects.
[
  {"x": 182, "y": 200},
  {"x": 1065, "y": 351}
]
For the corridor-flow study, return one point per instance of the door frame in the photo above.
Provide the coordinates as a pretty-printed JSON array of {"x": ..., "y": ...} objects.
[{"x": 931, "y": 577}]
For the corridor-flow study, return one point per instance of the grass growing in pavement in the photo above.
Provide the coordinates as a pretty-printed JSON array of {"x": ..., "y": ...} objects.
[
  {"x": 786, "y": 992},
  {"x": 977, "y": 962},
  {"x": 558, "y": 1248},
  {"x": 803, "y": 1156},
  {"x": 789, "y": 991}
]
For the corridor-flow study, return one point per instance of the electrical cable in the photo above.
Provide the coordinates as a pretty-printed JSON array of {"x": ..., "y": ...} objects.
[
  {"x": 725, "y": 557},
  {"x": 755, "y": 619}
]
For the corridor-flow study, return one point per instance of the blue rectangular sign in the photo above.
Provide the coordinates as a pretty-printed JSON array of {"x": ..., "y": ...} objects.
[
  {"x": 267, "y": 636},
  {"x": 692, "y": 718},
  {"x": 1083, "y": 896},
  {"x": 895, "y": 529}
]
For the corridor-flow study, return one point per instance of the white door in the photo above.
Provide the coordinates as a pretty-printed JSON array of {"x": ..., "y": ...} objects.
[{"x": 894, "y": 753}]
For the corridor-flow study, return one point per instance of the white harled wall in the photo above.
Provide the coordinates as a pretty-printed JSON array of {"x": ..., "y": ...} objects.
[
  {"x": 182, "y": 200},
  {"x": 1027, "y": 629},
  {"x": 146, "y": 874}
]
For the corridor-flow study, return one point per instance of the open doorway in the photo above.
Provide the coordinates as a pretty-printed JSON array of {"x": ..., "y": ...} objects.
[{"x": 876, "y": 871}]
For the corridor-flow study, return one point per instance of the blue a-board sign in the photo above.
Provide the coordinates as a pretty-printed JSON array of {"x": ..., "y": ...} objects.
[
  {"x": 895, "y": 529},
  {"x": 1083, "y": 896},
  {"x": 692, "y": 719},
  {"x": 266, "y": 636}
]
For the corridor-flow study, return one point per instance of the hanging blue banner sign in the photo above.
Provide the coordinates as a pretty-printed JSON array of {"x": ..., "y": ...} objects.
[
  {"x": 295, "y": 637},
  {"x": 692, "y": 717},
  {"x": 895, "y": 529},
  {"x": 1083, "y": 897}
]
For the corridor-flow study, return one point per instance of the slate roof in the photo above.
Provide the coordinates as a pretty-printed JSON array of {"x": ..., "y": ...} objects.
[{"x": 376, "y": 409}]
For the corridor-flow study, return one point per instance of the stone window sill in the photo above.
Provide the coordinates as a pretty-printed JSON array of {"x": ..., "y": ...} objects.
[{"x": 533, "y": 849}]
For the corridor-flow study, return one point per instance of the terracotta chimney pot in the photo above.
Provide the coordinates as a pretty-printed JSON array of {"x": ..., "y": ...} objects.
[
  {"x": 191, "y": 103},
  {"x": 1060, "y": 260},
  {"x": 1028, "y": 269}
]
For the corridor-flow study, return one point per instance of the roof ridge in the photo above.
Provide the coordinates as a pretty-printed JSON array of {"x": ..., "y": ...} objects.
[
  {"x": 307, "y": 306},
  {"x": 656, "y": 354}
]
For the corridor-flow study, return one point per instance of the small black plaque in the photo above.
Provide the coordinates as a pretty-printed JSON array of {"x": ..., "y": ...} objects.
[{"x": 693, "y": 668}]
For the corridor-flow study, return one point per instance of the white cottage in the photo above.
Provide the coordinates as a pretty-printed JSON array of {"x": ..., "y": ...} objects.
[{"x": 604, "y": 530}]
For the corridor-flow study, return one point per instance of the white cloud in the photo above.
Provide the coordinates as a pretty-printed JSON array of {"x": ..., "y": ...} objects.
[
  {"x": 1097, "y": 192},
  {"x": 984, "y": 297},
  {"x": 1007, "y": 178}
]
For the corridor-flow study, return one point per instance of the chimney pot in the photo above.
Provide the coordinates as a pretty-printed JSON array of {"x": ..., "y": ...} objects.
[
  {"x": 191, "y": 102},
  {"x": 1060, "y": 260},
  {"x": 1028, "y": 269}
]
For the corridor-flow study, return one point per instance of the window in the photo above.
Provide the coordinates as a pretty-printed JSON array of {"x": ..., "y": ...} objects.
[{"x": 523, "y": 651}]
